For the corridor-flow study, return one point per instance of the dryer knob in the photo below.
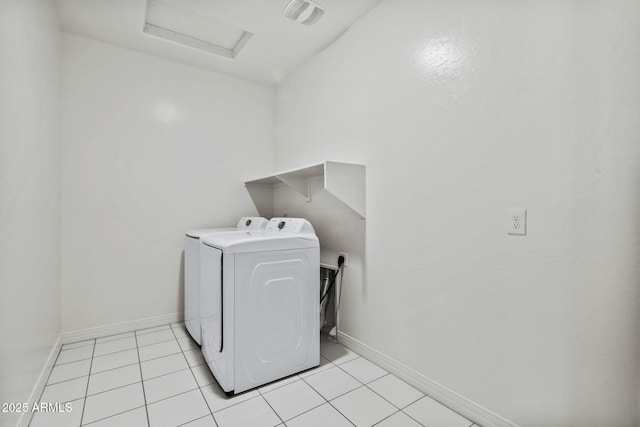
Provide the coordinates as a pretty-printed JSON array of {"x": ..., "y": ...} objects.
[
  {"x": 281, "y": 225},
  {"x": 248, "y": 222}
]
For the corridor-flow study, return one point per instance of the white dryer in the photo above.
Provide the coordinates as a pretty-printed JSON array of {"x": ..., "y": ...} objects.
[
  {"x": 259, "y": 303},
  {"x": 192, "y": 269}
]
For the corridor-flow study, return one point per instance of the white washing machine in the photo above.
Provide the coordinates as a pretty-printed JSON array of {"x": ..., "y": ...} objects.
[
  {"x": 259, "y": 303},
  {"x": 192, "y": 269}
]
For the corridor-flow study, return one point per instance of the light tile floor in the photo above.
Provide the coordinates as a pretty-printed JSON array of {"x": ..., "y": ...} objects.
[{"x": 157, "y": 377}]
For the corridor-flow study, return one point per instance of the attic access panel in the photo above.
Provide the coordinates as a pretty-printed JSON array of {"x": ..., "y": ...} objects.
[{"x": 171, "y": 22}]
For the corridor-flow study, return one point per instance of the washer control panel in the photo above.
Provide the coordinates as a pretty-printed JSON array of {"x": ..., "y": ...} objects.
[
  {"x": 290, "y": 225},
  {"x": 251, "y": 223}
]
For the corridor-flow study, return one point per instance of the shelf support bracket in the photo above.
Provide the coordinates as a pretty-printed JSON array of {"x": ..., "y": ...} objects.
[{"x": 300, "y": 184}]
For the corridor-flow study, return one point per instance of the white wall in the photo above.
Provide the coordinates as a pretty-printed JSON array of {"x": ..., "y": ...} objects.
[
  {"x": 463, "y": 109},
  {"x": 29, "y": 195},
  {"x": 150, "y": 149}
]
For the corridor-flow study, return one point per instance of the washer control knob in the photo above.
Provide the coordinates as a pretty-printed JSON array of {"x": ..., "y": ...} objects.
[
  {"x": 281, "y": 225},
  {"x": 248, "y": 222}
]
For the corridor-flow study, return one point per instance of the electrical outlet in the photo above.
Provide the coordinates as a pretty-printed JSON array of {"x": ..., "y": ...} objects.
[
  {"x": 346, "y": 258},
  {"x": 517, "y": 224}
]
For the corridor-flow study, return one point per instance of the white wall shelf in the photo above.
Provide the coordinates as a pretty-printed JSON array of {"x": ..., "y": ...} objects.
[{"x": 345, "y": 181}]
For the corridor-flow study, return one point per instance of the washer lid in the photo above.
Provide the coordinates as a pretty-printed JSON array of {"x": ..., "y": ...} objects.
[
  {"x": 245, "y": 223},
  {"x": 260, "y": 241},
  {"x": 196, "y": 234}
]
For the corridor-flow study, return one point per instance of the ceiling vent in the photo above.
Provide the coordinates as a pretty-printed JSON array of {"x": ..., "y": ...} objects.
[
  {"x": 189, "y": 28},
  {"x": 303, "y": 11}
]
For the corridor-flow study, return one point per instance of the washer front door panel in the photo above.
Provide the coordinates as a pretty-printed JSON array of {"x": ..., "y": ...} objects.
[{"x": 276, "y": 318}]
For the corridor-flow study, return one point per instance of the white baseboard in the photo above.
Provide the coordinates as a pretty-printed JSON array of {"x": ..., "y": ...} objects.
[
  {"x": 118, "y": 328},
  {"x": 449, "y": 398},
  {"x": 25, "y": 418}
]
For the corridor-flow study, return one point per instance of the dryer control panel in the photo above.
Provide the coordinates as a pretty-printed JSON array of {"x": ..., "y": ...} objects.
[
  {"x": 290, "y": 225},
  {"x": 251, "y": 223}
]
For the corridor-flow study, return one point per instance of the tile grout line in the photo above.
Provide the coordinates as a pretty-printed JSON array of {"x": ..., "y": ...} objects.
[
  {"x": 376, "y": 379},
  {"x": 195, "y": 379},
  {"x": 154, "y": 343},
  {"x": 113, "y": 369},
  {"x": 155, "y": 329},
  {"x": 160, "y": 357},
  {"x": 79, "y": 360},
  {"x": 114, "y": 388},
  {"x": 122, "y": 351},
  {"x": 288, "y": 384},
  {"x": 442, "y": 404},
  {"x": 86, "y": 390},
  {"x": 164, "y": 375},
  {"x": 412, "y": 417},
  {"x": 114, "y": 352},
  {"x": 308, "y": 410},
  {"x": 204, "y": 416},
  {"x": 259, "y": 389},
  {"x": 439, "y": 403},
  {"x": 109, "y": 336},
  {"x": 157, "y": 358},
  {"x": 233, "y": 404},
  {"x": 245, "y": 401},
  {"x": 62, "y": 347},
  {"x": 346, "y": 361},
  {"x": 269, "y": 404},
  {"x": 375, "y": 392},
  {"x": 144, "y": 395},
  {"x": 331, "y": 404},
  {"x": 311, "y": 373},
  {"x": 111, "y": 416},
  {"x": 68, "y": 379},
  {"x": 387, "y": 417},
  {"x": 381, "y": 396},
  {"x": 92, "y": 357},
  {"x": 340, "y": 395},
  {"x": 169, "y": 397},
  {"x": 413, "y": 401},
  {"x": 135, "y": 337},
  {"x": 368, "y": 382}
]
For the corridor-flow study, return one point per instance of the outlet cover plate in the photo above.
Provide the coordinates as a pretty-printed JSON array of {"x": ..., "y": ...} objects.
[
  {"x": 517, "y": 222},
  {"x": 346, "y": 258}
]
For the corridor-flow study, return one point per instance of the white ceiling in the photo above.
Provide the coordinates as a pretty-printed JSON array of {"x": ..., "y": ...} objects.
[{"x": 278, "y": 44}]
